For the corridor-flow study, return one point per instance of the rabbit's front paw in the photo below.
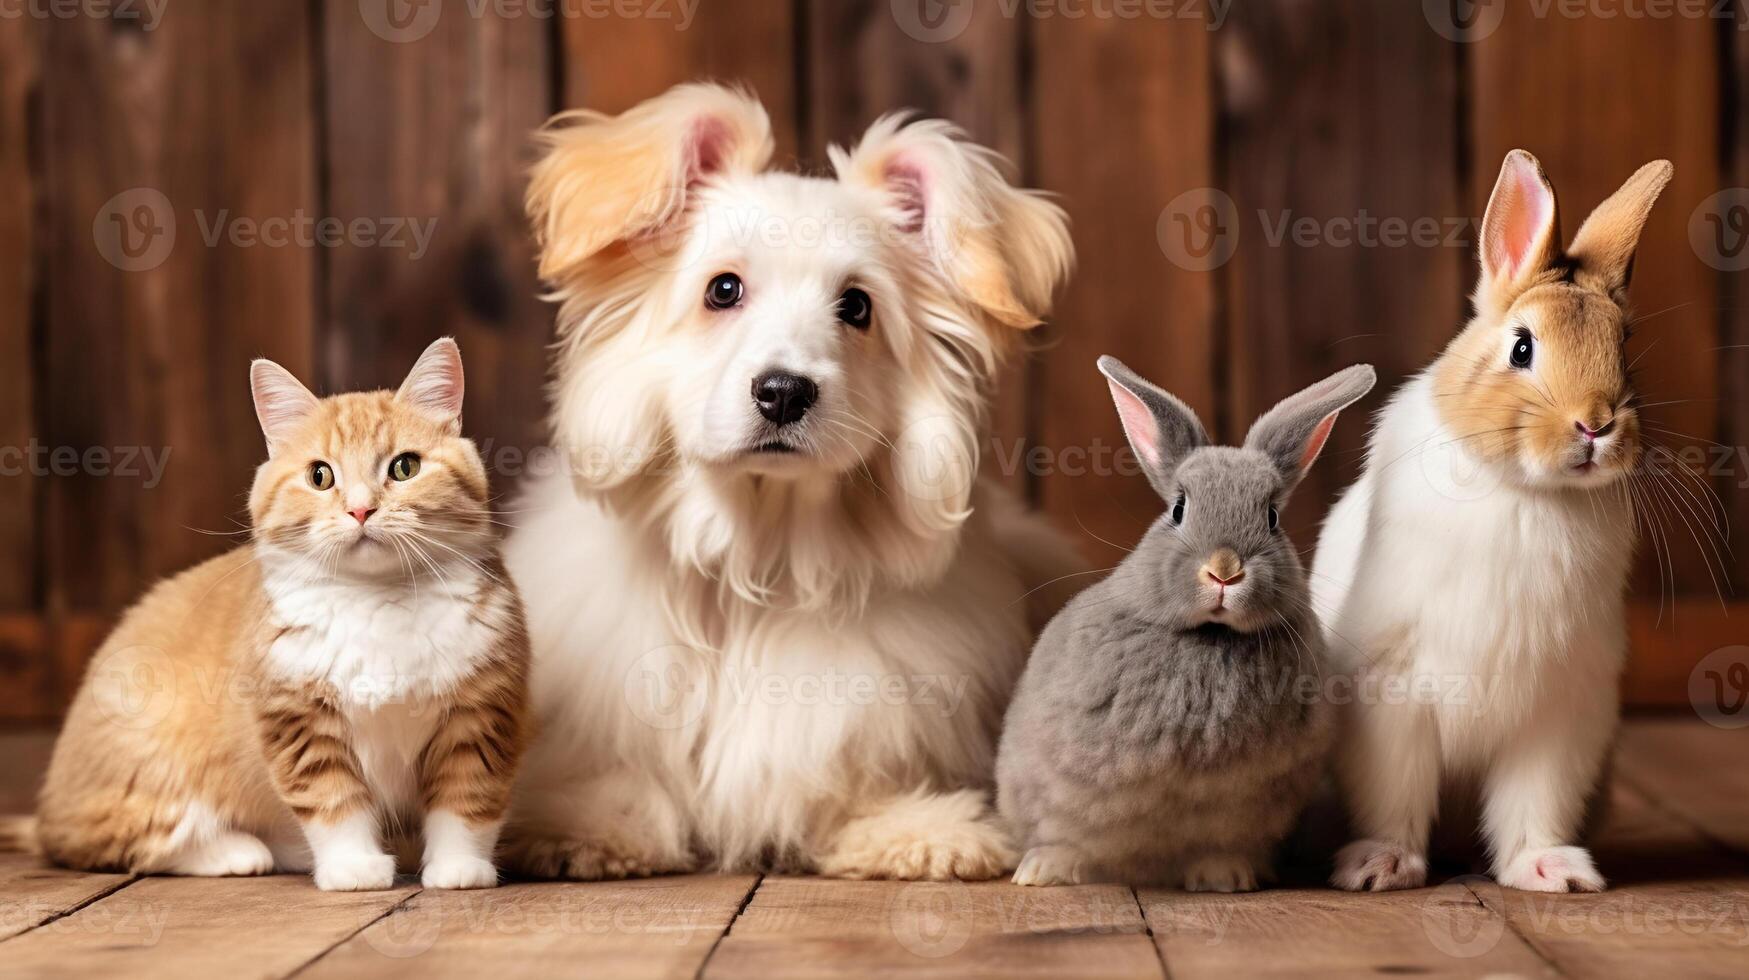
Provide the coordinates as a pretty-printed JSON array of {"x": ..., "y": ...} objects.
[
  {"x": 1052, "y": 865},
  {"x": 1220, "y": 873},
  {"x": 1378, "y": 866},
  {"x": 1552, "y": 869}
]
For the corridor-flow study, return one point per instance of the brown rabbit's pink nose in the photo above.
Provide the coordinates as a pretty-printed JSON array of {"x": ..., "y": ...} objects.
[
  {"x": 1224, "y": 568},
  {"x": 362, "y": 514},
  {"x": 1592, "y": 434}
]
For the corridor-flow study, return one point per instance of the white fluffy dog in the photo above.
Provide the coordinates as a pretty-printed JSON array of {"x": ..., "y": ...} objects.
[{"x": 776, "y": 615}]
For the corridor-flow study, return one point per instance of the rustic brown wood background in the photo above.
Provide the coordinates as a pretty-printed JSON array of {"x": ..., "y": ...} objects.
[{"x": 284, "y": 108}]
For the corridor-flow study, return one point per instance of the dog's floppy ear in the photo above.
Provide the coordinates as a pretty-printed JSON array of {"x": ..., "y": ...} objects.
[
  {"x": 604, "y": 179},
  {"x": 1005, "y": 249}
]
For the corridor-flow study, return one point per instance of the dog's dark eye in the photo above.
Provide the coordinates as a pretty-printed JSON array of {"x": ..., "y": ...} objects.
[
  {"x": 1274, "y": 518},
  {"x": 855, "y": 308},
  {"x": 1178, "y": 510},
  {"x": 1523, "y": 350},
  {"x": 724, "y": 291}
]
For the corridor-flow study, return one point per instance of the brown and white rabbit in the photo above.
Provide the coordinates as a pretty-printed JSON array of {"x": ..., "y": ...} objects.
[{"x": 1474, "y": 577}]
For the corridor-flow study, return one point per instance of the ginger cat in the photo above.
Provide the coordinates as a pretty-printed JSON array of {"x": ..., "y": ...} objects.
[{"x": 361, "y": 663}]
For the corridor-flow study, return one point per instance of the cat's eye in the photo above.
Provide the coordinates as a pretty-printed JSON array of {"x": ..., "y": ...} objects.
[
  {"x": 1274, "y": 518},
  {"x": 404, "y": 466},
  {"x": 724, "y": 291},
  {"x": 321, "y": 476},
  {"x": 1178, "y": 510},
  {"x": 855, "y": 309},
  {"x": 1523, "y": 349}
]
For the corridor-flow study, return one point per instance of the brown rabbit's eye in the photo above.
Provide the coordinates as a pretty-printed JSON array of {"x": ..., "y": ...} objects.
[
  {"x": 1178, "y": 510},
  {"x": 321, "y": 476},
  {"x": 405, "y": 466},
  {"x": 1274, "y": 518},
  {"x": 1523, "y": 350}
]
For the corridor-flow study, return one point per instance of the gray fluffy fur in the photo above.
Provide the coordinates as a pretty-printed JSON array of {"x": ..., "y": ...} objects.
[{"x": 1153, "y": 738}]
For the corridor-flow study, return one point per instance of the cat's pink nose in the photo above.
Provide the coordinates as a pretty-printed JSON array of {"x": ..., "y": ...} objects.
[{"x": 362, "y": 514}]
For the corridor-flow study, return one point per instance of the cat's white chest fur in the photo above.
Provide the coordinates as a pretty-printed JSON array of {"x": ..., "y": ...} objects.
[{"x": 393, "y": 654}]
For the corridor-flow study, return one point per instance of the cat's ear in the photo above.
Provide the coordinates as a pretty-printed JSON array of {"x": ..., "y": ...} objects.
[
  {"x": 282, "y": 403},
  {"x": 434, "y": 386}
]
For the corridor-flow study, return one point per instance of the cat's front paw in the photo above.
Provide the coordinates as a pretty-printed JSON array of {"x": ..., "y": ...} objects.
[
  {"x": 363, "y": 872},
  {"x": 1220, "y": 873},
  {"x": 460, "y": 871},
  {"x": 1552, "y": 869},
  {"x": 1378, "y": 866},
  {"x": 1051, "y": 866}
]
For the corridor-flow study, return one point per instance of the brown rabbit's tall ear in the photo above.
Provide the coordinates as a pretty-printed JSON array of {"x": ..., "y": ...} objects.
[
  {"x": 605, "y": 178},
  {"x": 1293, "y": 433},
  {"x": 1603, "y": 251},
  {"x": 1521, "y": 231},
  {"x": 1005, "y": 249}
]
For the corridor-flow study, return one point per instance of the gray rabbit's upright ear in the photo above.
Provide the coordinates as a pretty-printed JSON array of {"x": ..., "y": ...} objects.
[
  {"x": 1161, "y": 429},
  {"x": 1293, "y": 433}
]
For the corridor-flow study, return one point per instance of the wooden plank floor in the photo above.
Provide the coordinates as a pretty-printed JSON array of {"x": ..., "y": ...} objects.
[{"x": 1676, "y": 850}]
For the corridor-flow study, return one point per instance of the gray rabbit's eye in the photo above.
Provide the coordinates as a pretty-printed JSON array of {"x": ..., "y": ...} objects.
[
  {"x": 1274, "y": 518},
  {"x": 1178, "y": 509}
]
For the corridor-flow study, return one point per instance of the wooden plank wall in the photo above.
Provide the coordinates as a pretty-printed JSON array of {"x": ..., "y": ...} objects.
[{"x": 110, "y": 132}]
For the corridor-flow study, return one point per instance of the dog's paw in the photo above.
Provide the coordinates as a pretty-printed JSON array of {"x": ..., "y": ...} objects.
[
  {"x": 1052, "y": 865},
  {"x": 1378, "y": 866},
  {"x": 1552, "y": 869},
  {"x": 1220, "y": 873},
  {"x": 232, "y": 854},
  {"x": 459, "y": 871},
  {"x": 591, "y": 860},
  {"x": 926, "y": 838},
  {"x": 361, "y": 872}
]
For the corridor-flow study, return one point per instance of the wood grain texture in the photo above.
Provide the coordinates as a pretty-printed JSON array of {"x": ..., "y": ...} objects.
[
  {"x": 653, "y": 928},
  {"x": 865, "y": 62},
  {"x": 1668, "y": 640},
  {"x": 203, "y": 124},
  {"x": 436, "y": 132},
  {"x": 1441, "y": 932},
  {"x": 1733, "y": 355},
  {"x": 1692, "y": 770},
  {"x": 1117, "y": 163},
  {"x": 1341, "y": 151},
  {"x": 19, "y": 67},
  {"x": 807, "y": 927},
  {"x": 1677, "y": 906},
  {"x": 1539, "y": 83},
  {"x": 35, "y": 894},
  {"x": 27, "y": 759},
  {"x": 613, "y": 62},
  {"x": 194, "y": 927}
]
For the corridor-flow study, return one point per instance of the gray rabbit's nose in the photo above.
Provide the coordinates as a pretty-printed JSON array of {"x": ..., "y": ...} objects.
[{"x": 1224, "y": 568}]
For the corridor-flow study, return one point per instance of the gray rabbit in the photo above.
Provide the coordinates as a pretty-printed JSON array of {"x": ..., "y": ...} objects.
[{"x": 1170, "y": 725}]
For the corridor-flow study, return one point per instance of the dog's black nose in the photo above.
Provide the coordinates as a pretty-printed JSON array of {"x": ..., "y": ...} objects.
[{"x": 784, "y": 398}]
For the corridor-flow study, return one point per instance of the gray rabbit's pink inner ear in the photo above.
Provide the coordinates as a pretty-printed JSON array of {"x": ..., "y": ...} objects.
[
  {"x": 1315, "y": 443},
  {"x": 1139, "y": 424}
]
